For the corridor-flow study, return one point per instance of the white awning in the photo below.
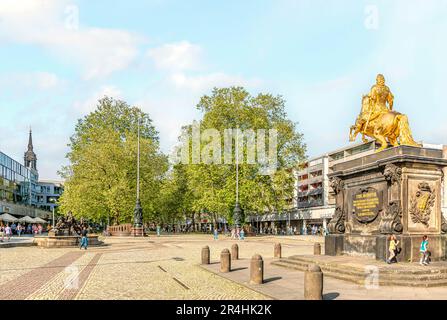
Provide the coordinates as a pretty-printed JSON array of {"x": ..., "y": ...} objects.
[
  {"x": 6, "y": 217},
  {"x": 26, "y": 219},
  {"x": 39, "y": 220}
]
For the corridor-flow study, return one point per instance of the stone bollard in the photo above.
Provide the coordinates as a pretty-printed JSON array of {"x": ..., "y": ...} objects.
[
  {"x": 317, "y": 249},
  {"x": 256, "y": 270},
  {"x": 277, "y": 253},
  {"x": 234, "y": 252},
  {"x": 206, "y": 255},
  {"x": 313, "y": 283},
  {"x": 225, "y": 261}
]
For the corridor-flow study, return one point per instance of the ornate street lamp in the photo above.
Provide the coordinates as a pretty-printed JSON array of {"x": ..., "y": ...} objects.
[
  {"x": 237, "y": 211},
  {"x": 138, "y": 210},
  {"x": 54, "y": 201}
]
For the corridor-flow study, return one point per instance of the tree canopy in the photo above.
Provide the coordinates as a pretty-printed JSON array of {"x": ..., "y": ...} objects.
[
  {"x": 213, "y": 185},
  {"x": 100, "y": 180}
]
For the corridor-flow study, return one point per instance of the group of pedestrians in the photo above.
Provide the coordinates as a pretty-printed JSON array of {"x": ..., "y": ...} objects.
[
  {"x": 5, "y": 231},
  {"x": 394, "y": 250},
  {"x": 236, "y": 234}
]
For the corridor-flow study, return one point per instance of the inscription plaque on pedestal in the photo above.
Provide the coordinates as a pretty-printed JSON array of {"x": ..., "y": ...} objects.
[{"x": 367, "y": 203}]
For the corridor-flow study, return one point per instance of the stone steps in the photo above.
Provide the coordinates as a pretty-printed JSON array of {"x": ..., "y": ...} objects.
[
  {"x": 16, "y": 244},
  {"x": 387, "y": 276},
  {"x": 384, "y": 268},
  {"x": 384, "y": 271}
]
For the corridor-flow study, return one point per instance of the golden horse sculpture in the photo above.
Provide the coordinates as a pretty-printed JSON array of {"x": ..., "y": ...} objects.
[{"x": 378, "y": 120}]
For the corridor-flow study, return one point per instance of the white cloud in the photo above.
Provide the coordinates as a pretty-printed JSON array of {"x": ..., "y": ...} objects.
[
  {"x": 47, "y": 80},
  {"x": 32, "y": 80},
  {"x": 182, "y": 60},
  {"x": 177, "y": 56},
  {"x": 28, "y": 7},
  {"x": 84, "y": 107},
  {"x": 204, "y": 83},
  {"x": 48, "y": 23}
]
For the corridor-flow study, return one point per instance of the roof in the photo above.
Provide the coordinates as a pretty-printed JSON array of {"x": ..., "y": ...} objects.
[{"x": 54, "y": 182}]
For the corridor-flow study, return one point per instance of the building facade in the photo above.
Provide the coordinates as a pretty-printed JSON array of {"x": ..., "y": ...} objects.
[
  {"x": 19, "y": 185},
  {"x": 49, "y": 193}
]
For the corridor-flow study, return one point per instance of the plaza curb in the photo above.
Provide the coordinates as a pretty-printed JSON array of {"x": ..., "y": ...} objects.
[{"x": 13, "y": 245}]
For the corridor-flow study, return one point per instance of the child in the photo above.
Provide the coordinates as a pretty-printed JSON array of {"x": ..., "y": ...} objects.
[
  {"x": 424, "y": 251},
  {"x": 392, "y": 249}
]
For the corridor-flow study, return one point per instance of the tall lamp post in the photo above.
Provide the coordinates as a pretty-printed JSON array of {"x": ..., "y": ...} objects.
[
  {"x": 53, "y": 201},
  {"x": 237, "y": 211},
  {"x": 138, "y": 210}
]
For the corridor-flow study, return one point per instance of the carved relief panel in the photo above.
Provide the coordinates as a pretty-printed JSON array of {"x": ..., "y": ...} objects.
[{"x": 423, "y": 214}]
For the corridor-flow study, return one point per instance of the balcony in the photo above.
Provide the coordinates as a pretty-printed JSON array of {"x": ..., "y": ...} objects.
[
  {"x": 316, "y": 179},
  {"x": 310, "y": 203},
  {"x": 315, "y": 191},
  {"x": 303, "y": 193}
]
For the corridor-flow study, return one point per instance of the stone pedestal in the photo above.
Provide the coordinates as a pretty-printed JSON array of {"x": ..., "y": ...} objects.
[
  {"x": 137, "y": 231},
  {"x": 54, "y": 241},
  {"x": 333, "y": 244},
  {"x": 395, "y": 191}
]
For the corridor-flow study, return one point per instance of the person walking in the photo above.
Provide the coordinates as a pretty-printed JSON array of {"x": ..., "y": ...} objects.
[
  {"x": 424, "y": 251},
  {"x": 19, "y": 229},
  {"x": 233, "y": 233},
  {"x": 2, "y": 233},
  {"x": 84, "y": 240},
  {"x": 392, "y": 249},
  {"x": 158, "y": 230},
  {"x": 242, "y": 234},
  {"x": 8, "y": 232},
  {"x": 216, "y": 233}
]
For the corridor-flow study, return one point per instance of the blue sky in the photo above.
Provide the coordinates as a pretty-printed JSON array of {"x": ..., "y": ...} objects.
[{"x": 60, "y": 56}]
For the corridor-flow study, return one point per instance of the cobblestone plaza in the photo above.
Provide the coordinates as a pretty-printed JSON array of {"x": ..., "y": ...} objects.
[
  {"x": 127, "y": 268},
  {"x": 168, "y": 268}
]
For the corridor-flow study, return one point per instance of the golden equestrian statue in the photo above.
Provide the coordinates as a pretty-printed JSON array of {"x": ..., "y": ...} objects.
[{"x": 379, "y": 121}]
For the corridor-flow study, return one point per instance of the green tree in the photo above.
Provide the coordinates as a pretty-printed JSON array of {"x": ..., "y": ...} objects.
[
  {"x": 100, "y": 180},
  {"x": 214, "y": 185},
  {"x": 175, "y": 196}
]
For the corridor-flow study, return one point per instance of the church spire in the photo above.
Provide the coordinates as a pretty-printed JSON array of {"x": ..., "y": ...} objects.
[
  {"x": 30, "y": 140},
  {"x": 30, "y": 157}
]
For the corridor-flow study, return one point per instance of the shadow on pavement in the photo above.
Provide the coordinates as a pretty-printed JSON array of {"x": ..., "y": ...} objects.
[
  {"x": 330, "y": 296},
  {"x": 272, "y": 279},
  {"x": 241, "y": 268}
]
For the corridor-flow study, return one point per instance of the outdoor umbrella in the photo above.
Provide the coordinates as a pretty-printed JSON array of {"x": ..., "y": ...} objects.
[
  {"x": 6, "y": 217},
  {"x": 39, "y": 220},
  {"x": 26, "y": 219}
]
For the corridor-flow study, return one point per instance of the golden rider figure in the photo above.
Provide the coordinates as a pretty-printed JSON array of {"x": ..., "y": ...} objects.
[{"x": 378, "y": 120}]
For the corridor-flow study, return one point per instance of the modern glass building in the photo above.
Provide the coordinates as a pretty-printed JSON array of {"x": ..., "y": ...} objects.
[{"x": 18, "y": 184}]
